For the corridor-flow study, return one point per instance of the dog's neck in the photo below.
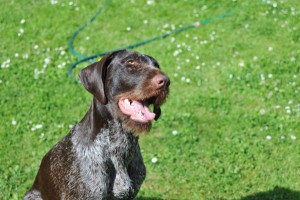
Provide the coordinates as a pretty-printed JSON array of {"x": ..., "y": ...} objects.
[{"x": 96, "y": 118}]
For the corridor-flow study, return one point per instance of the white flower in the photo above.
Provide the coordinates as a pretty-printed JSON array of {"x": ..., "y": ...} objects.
[
  {"x": 293, "y": 137},
  {"x": 22, "y": 21},
  {"x": 270, "y": 48},
  {"x": 128, "y": 29},
  {"x": 14, "y": 122},
  {"x": 25, "y": 56},
  {"x": 154, "y": 160},
  {"x": 236, "y": 53},
  {"x": 288, "y": 109},
  {"x": 242, "y": 64},
  {"x": 36, "y": 46},
  {"x": 204, "y": 7},
  {"x": 47, "y": 61},
  {"x": 5, "y": 64},
  {"x": 21, "y": 31},
  {"x": 149, "y": 2},
  {"x": 173, "y": 27},
  {"x": 166, "y": 26},
  {"x": 53, "y": 2},
  {"x": 262, "y": 111},
  {"x": 269, "y": 137},
  {"x": 176, "y": 52},
  {"x": 174, "y": 132},
  {"x": 38, "y": 126},
  {"x": 203, "y": 42},
  {"x": 37, "y": 73}
]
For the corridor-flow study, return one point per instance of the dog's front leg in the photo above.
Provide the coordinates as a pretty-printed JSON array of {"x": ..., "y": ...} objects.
[
  {"x": 122, "y": 187},
  {"x": 122, "y": 148}
]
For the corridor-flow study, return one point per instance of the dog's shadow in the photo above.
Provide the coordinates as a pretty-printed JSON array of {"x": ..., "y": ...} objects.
[{"x": 278, "y": 193}]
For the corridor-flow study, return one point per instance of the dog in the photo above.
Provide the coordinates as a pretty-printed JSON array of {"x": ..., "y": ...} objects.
[{"x": 100, "y": 158}]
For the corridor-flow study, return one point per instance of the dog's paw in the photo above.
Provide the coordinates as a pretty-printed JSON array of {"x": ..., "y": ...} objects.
[
  {"x": 33, "y": 195},
  {"x": 122, "y": 187}
]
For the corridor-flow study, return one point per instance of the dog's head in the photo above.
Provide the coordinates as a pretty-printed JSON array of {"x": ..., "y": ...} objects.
[{"x": 129, "y": 84}]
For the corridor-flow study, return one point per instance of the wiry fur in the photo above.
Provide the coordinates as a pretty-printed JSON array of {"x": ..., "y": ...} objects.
[{"x": 100, "y": 158}]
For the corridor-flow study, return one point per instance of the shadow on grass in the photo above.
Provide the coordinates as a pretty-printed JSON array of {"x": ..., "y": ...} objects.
[
  {"x": 148, "y": 198},
  {"x": 278, "y": 193}
]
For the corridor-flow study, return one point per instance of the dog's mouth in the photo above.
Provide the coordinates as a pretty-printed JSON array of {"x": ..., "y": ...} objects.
[{"x": 137, "y": 110}]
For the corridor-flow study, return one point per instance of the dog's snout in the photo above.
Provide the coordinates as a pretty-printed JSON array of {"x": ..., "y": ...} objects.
[{"x": 161, "y": 80}]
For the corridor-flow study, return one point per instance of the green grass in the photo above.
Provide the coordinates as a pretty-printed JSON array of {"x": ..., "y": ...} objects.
[{"x": 230, "y": 128}]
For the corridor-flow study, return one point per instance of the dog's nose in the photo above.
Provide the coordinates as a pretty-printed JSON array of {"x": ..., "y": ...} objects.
[{"x": 161, "y": 80}]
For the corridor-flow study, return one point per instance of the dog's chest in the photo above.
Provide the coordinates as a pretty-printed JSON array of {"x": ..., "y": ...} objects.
[{"x": 111, "y": 151}]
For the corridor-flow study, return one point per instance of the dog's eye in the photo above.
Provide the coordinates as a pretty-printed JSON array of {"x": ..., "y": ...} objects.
[
  {"x": 131, "y": 62},
  {"x": 132, "y": 65}
]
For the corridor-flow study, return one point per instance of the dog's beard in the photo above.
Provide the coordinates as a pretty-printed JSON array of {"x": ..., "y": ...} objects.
[{"x": 137, "y": 128}]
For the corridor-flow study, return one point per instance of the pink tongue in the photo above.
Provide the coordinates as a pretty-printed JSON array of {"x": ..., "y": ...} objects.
[{"x": 136, "y": 110}]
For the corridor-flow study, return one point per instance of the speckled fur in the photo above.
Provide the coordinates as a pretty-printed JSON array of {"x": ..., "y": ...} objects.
[
  {"x": 114, "y": 158},
  {"x": 100, "y": 158}
]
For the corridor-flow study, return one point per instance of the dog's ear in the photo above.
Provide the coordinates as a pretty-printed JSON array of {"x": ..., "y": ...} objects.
[
  {"x": 157, "y": 111},
  {"x": 93, "y": 77}
]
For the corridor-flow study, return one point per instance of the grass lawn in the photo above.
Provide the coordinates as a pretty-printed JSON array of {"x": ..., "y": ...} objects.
[{"x": 231, "y": 126}]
